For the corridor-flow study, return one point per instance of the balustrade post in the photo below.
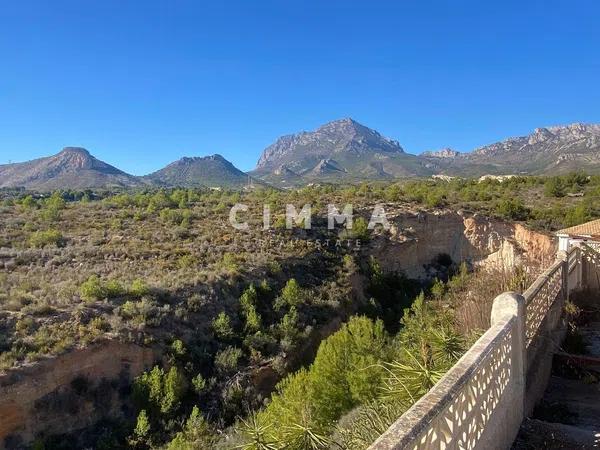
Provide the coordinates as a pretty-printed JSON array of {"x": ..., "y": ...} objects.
[
  {"x": 506, "y": 306},
  {"x": 580, "y": 262},
  {"x": 564, "y": 287}
]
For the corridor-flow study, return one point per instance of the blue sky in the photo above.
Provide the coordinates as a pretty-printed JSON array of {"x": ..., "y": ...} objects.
[{"x": 141, "y": 84}]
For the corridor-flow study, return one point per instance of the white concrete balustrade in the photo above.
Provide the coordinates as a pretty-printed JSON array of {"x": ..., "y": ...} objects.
[{"x": 481, "y": 401}]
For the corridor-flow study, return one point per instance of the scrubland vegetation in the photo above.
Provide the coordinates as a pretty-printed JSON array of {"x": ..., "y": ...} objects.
[{"x": 225, "y": 307}]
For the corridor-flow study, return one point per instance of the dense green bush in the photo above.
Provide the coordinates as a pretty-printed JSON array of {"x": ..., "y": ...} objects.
[
  {"x": 222, "y": 326},
  {"x": 159, "y": 392},
  {"x": 227, "y": 360},
  {"x": 94, "y": 289},
  {"x": 512, "y": 209},
  {"x": 41, "y": 239}
]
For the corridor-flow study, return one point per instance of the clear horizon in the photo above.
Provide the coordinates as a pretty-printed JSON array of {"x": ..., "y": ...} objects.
[{"x": 142, "y": 84}]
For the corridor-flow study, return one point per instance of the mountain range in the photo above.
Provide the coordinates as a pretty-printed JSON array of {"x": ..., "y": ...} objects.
[{"x": 339, "y": 151}]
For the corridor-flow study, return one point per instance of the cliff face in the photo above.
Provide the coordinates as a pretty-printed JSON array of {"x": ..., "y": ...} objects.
[
  {"x": 69, "y": 392},
  {"x": 418, "y": 238}
]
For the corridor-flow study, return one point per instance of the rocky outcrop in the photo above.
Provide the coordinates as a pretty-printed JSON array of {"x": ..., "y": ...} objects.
[
  {"x": 443, "y": 153},
  {"x": 420, "y": 237},
  {"x": 69, "y": 392}
]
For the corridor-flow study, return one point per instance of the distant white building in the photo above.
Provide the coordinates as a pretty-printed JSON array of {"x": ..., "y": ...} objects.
[
  {"x": 443, "y": 177},
  {"x": 499, "y": 178}
]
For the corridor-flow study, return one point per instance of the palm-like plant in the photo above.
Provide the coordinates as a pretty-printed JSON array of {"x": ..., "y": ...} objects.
[
  {"x": 372, "y": 420},
  {"x": 304, "y": 437},
  {"x": 257, "y": 435},
  {"x": 447, "y": 346},
  {"x": 407, "y": 381}
]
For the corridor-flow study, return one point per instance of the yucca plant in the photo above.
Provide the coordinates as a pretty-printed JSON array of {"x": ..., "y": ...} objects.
[
  {"x": 256, "y": 435},
  {"x": 447, "y": 346},
  {"x": 371, "y": 421},
  {"x": 410, "y": 379},
  {"x": 304, "y": 437}
]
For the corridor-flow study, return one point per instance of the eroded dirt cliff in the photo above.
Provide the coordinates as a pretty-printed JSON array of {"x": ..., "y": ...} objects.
[
  {"x": 418, "y": 238},
  {"x": 68, "y": 392}
]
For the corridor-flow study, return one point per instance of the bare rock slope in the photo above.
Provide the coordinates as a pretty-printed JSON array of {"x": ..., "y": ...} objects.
[{"x": 72, "y": 168}]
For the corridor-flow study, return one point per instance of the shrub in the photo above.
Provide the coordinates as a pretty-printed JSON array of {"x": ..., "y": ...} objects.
[
  {"x": 142, "y": 312},
  {"x": 434, "y": 200},
  {"x": 99, "y": 324},
  {"x": 171, "y": 216},
  {"x": 142, "y": 429},
  {"x": 178, "y": 348},
  {"x": 160, "y": 201},
  {"x": 139, "y": 288},
  {"x": 29, "y": 202},
  {"x": 199, "y": 384},
  {"x": 577, "y": 214},
  {"x": 196, "y": 434},
  {"x": 230, "y": 262},
  {"x": 41, "y": 239},
  {"x": 512, "y": 209},
  {"x": 291, "y": 295},
  {"x": 360, "y": 230},
  {"x": 187, "y": 261},
  {"x": 113, "y": 289},
  {"x": 227, "y": 360},
  {"x": 222, "y": 326},
  {"x": 554, "y": 187},
  {"x": 92, "y": 289},
  {"x": 160, "y": 392}
]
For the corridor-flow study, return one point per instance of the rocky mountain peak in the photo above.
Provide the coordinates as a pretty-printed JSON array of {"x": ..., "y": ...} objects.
[
  {"x": 71, "y": 168},
  {"x": 345, "y": 125},
  {"x": 540, "y": 135},
  {"x": 195, "y": 159},
  {"x": 443, "y": 153},
  {"x": 76, "y": 158},
  {"x": 302, "y": 151},
  {"x": 74, "y": 151}
]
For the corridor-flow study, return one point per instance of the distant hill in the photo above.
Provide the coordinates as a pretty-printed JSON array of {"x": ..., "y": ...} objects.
[
  {"x": 76, "y": 168},
  {"x": 339, "y": 150},
  {"x": 209, "y": 171},
  {"x": 72, "y": 168},
  {"x": 552, "y": 150}
]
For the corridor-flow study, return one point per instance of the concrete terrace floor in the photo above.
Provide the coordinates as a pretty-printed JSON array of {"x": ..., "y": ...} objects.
[{"x": 568, "y": 416}]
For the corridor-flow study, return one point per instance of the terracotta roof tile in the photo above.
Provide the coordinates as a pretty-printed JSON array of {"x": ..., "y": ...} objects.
[{"x": 585, "y": 229}]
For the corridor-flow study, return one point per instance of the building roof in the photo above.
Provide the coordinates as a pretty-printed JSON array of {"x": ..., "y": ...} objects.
[{"x": 590, "y": 229}]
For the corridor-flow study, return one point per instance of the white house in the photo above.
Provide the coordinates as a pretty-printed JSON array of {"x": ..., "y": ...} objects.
[{"x": 589, "y": 231}]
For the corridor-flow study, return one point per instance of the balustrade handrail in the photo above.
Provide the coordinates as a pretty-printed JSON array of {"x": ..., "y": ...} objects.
[
  {"x": 414, "y": 422},
  {"x": 541, "y": 280}
]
